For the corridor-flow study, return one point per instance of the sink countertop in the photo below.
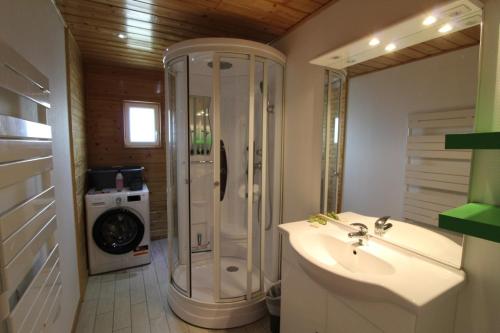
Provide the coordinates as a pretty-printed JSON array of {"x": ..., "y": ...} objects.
[{"x": 391, "y": 274}]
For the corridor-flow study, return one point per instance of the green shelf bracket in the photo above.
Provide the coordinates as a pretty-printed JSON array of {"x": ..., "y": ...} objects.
[
  {"x": 486, "y": 140},
  {"x": 474, "y": 219}
]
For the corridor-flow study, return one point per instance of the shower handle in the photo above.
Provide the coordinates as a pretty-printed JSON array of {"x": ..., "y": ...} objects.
[{"x": 223, "y": 170}]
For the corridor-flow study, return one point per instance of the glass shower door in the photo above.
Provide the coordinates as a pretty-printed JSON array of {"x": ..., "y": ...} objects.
[
  {"x": 259, "y": 166},
  {"x": 273, "y": 108},
  {"x": 233, "y": 156},
  {"x": 200, "y": 175},
  {"x": 178, "y": 175},
  {"x": 238, "y": 112}
]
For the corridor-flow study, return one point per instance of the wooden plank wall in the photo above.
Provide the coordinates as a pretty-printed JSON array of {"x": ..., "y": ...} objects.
[
  {"x": 106, "y": 87},
  {"x": 76, "y": 107}
]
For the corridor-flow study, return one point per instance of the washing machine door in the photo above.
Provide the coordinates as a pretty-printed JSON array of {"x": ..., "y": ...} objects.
[{"x": 118, "y": 231}]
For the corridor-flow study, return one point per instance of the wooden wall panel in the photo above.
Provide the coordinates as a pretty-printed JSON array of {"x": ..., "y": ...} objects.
[
  {"x": 76, "y": 107},
  {"x": 106, "y": 87}
]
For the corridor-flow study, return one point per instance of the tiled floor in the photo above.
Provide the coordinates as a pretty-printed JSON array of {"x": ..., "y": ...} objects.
[{"x": 135, "y": 300}]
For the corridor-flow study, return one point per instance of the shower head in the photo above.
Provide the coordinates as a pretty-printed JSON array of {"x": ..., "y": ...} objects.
[{"x": 223, "y": 65}]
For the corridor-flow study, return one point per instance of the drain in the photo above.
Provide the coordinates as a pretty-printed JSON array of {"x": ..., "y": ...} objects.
[{"x": 232, "y": 269}]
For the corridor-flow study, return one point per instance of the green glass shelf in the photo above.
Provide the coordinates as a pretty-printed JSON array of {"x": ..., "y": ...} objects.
[
  {"x": 486, "y": 140},
  {"x": 475, "y": 219}
]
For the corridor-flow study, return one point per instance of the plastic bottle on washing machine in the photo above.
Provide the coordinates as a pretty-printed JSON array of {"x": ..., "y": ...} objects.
[{"x": 119, "y": 182}]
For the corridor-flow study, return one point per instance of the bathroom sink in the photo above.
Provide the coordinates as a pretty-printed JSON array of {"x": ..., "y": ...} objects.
[
  {"x": 374, "y": 271},
  {"x": 330, "y": 250}
]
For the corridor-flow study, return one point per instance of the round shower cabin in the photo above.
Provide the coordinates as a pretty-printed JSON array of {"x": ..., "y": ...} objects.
[{"x": 224, "y": 133}]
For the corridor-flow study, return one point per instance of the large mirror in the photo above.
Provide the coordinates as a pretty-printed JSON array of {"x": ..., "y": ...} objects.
[{"x": 390, "y": 98}]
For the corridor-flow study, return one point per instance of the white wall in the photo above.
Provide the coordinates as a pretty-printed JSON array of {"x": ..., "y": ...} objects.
[
  {"x": 33, "y": 28},
  {"x": 377, "y": 124},
  {"x": 335, "y": 26}
]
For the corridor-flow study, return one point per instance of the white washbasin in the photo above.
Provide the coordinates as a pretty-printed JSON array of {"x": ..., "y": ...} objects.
[
  {"x": 375, "y": 271},
  {"x": 332, "y": 251}
]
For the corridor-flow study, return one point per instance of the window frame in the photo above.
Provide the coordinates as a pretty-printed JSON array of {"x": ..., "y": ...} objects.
[{"x": 126, "y": 129}]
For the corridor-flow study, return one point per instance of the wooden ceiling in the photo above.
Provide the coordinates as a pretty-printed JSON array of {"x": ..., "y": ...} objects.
[
  {"x": 450, "y": 42},
  {"x": 150, "y": 26}
]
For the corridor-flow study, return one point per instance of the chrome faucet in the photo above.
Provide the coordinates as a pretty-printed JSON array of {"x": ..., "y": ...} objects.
[
  {"x": 381, "y": 225},
  {"x": 362, "y": 233}
]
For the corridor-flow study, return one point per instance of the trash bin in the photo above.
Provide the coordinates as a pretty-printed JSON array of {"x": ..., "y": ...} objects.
[{"x": 273, "y": 302}]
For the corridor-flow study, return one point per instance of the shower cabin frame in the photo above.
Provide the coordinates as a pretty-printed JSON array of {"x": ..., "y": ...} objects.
[{"x": 250, "y": 305}]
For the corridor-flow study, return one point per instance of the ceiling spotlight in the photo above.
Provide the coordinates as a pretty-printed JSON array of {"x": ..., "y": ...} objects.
[
  {"x": 374, "y": 42},
  {"x": 390, "y": 47},
  {"x": 122, "y": 36},
  {"x": 429, "y": 20},
  {"x": 445, "y": 28}
]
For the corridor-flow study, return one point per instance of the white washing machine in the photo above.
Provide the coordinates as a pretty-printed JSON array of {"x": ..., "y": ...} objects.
[{"x": 118, "y": 234}]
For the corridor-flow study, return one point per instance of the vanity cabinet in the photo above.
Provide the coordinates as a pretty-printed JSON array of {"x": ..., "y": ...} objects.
[
  {"x": 303, "y": 302},
  {"x": 307, "y": 307},
  {"x": 341, "y": 318}
]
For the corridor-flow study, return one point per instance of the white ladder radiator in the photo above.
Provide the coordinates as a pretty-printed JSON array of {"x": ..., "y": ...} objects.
[{"x": 30, "y": 277}]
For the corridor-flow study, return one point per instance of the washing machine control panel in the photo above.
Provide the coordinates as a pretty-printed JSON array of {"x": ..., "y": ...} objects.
[{"x": 132, "y": 198}]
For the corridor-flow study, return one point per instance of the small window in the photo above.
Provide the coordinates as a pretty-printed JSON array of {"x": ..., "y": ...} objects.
[{"x": 141, "y": 124}]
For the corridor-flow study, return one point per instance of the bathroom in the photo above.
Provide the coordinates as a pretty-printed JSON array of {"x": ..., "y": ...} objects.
[{"x": 265, "y": 146}]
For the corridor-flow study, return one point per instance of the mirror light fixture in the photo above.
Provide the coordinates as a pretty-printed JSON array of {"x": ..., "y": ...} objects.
[
  {"x": 445, "y": 28},
  {"x": 429, "y": 20},
  {"x": 390, "y": 47},
  {"x": 374, "y": 41},
  {"x": 449, "y": 17}
]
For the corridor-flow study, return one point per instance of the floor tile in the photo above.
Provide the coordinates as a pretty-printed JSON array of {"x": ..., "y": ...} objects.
[
  {"x": 87, "y": 316},
  {"x": 121, "y": 317},
  {"x": 140, "y": 318},
  {"x": 104, "y": 323}
]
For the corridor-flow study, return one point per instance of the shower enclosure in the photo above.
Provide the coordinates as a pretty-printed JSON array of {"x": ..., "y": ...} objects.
[{"x": 224, "y": 161}]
